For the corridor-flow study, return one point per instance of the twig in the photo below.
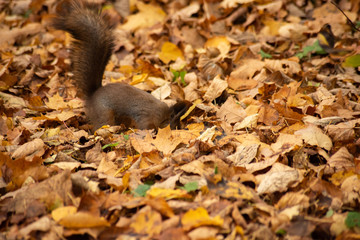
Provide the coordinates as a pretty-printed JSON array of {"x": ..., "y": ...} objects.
[{"x": 351, "y": 22}]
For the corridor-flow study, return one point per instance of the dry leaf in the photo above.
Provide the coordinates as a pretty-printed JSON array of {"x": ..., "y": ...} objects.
[
  {"x": 30, "y": 150},
  {"x": 83, "y": 220},
  {"x": 147, "y": 222},
  {"x": 170, "y": 52},
  {"x": 278, "y": 181},
  {"x": 215, "y": 89},
  {"x": 231, "y": 112},
  {"x": 199, "y": 217},
  {"x": 314, "y": 136},
  {"x": 166, "y": 193},
  {"x": 147, "y": 16},
  {"x": 56, "y": 102},
  {"x": 219, "y": 42},
  {"x": 62, "y": 212},
  {"x": 244, "y": 154}
]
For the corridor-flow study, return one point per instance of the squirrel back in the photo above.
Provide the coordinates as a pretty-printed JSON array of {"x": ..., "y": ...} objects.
[{"x": 93, "y": 42}]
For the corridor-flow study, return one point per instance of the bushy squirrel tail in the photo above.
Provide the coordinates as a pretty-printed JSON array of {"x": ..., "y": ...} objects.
[{"x": 93, "y": 42}]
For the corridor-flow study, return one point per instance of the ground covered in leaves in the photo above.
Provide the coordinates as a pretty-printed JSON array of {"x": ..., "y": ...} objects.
[{"x": 269, "y": 149}]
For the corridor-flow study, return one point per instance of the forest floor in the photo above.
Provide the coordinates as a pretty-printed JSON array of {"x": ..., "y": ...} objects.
[{"x": 269, "y": 148}]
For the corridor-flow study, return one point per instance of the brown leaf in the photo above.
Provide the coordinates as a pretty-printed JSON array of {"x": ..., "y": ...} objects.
[
  {"x": 54, "y": 190},
  {"x": 277, "y": 181},
  {"x": 30, "y": 150},
  {"x": 342, "y": 159},
  {"x": 231, "y": 112},
  {"x": 293, "y": 199},
  {"x": 43, "y": 224},
  {"x": 244, "y": 154},
  {"x": 173, "y": 233},
  {"x": 22, "y": 170},
  {"x": 351, "y": 189},
  {"x": 13, "y": 35},
  {"x": 241, "y": 78},
  {"x": 342, "y": 132},
  {"x": 215, "y": 89},
  {"x": 268, "y": 115},
  {"x": 314, "y": 136}
]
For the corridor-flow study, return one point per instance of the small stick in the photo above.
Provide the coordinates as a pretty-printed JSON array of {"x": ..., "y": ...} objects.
[{"x": 351, "y": 23}]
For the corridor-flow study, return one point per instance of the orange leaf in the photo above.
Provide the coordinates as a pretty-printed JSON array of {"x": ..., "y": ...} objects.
[
  {"x": 62, "y": 212},
  {"x": 148, "y": 222},
  {"x": 83, "y": 220}
]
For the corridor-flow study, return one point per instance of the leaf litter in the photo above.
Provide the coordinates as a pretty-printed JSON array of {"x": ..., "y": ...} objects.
[{"x": 269, "y": 148}]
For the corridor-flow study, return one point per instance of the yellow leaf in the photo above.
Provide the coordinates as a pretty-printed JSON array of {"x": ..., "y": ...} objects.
[
  {"x": 142, "y": 144},
  {"x": 110, "y": 66},
  {"x": 83, "y": 220},
  {"x": 56, "y": 102},
  {"x": 235, "y": 190},
  {"x": 165, "y": 141},
  {"x": 167, "y": 193},
  {"x": 127, "y": 70},
  {"x": 139, "y": 78},
  {"x": 219, "y": 42},
  {"x": 169, "y": 52},
  {"x": 148, "y": 222},
  {"x": 293, "y": 128},
  {"x": 51, "y": 132},
  {"x": 338, "y": 178},
  {"x": 62, "y": 212},
  {"x": 200, "y": 217},
  {"x": 196, "y": 127},
  {"x": 273, "y": 26},
  {"x": 239, "y": 230},
  {"x": 300, "y": 100},
  {"x": 147, "y": 16},
  {"x": 57, "y": 116}
]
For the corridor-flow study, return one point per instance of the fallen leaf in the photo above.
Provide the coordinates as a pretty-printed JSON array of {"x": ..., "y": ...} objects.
[
  {"x": 200, "y": 217},
  {"x": 62, "y": 212},
  {"x": 169, "y": 52},
  {"x": 56, "y": 102},
  {"x": 83, "y": 220},
  {"x": 215, "y": 89},
  {"x": 314, "y": 136},
  {"x": 278, "y": 181},
  {"x": 147, "y": 16},
  {"x": 166, "y": 193},
  {"x": 219, "y": 42},
  {"x": 30, "y": 150},
  {"x": 231, "y": 112},
  {"x": 244, "y": 154},
  {"x": 147, "y": 222},
  {"x": 43, "y": 224}
]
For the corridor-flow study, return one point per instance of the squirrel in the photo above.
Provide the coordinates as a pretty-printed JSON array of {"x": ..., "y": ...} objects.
[{"x": 114, "y": 103}]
